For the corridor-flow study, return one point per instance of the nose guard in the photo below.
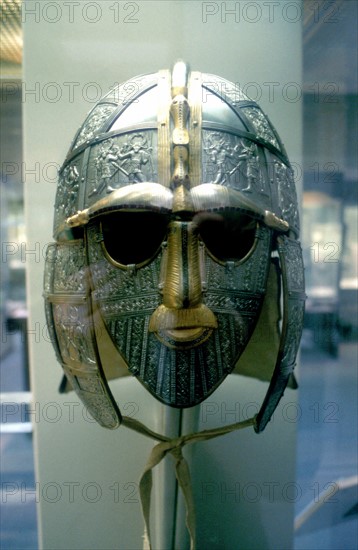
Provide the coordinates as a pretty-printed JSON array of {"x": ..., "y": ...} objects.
[
  {"x": 182, "y": 320},
  {"x": 178, "y": 312}
]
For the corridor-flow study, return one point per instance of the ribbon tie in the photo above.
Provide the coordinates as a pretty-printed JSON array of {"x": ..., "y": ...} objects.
[{"x": 174, "y": 447}]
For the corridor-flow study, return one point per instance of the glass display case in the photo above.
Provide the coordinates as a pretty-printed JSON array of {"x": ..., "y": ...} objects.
[
  {"x": 322, "y": 245},
  {"x": 86, "y": 488}
]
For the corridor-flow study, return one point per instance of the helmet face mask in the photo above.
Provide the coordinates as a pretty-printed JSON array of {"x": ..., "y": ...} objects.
[
  {"x": 172, "y": 286},
  {"x": 175, "y": 219}
]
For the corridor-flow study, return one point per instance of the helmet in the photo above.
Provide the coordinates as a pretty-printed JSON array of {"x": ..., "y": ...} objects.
[{"x": 176, "y": 222}]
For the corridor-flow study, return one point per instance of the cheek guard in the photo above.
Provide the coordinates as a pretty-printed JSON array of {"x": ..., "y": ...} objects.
[{"x": 176, "y": 228}]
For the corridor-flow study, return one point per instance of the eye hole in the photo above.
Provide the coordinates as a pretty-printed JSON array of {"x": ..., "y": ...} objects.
[
  {"x": 228, "y": 236},
  {"x": 133, "y": 237}
]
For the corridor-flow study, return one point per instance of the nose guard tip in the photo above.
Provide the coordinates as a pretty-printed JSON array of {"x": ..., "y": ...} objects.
[
  {"x": 185, "y": 327},
  {"x": 165, "y": 318}
]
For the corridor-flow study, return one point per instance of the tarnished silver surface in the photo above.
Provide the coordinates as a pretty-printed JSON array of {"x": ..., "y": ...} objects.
[
  {"x": 233, "y": 162},
  {"x": 226, "y": 90},
  {"x": 174, "y": 196},
  {"x": 127, "y": 302},
  {"x": 94, "y": 122},
  {"x": 117, "y": 99},
  {"x": 121, "y": 160},
  {"x": 292, "y": 323},
  {"x": 261, "y": 125},
  {"x": 70, "y": 321},
  {"x": 287, "y": 198},
  {"x": 68, "y": 191}
]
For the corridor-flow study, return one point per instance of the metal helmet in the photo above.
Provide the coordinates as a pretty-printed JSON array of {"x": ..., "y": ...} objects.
[{"x": 175, "y": 221}]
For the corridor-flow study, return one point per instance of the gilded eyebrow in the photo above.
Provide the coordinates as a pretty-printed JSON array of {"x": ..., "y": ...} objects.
[
  {"x": 143, "y": 196},
  {"x": 210, "y": 197}
]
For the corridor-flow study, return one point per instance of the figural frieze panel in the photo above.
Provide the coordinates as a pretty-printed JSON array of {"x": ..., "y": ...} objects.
[
  {"x": 66, "y": 202},
  {"x": 121, "y": 161},
  {"x": 234, "y": 162}
]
